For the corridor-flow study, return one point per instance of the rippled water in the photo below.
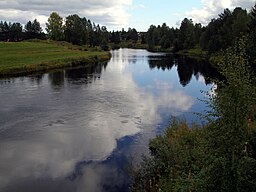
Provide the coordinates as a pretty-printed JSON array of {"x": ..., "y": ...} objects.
[{"x": 78, "y": 129}]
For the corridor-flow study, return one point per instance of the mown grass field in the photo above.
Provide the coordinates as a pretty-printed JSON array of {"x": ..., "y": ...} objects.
[{"x": 27, "y": 57}]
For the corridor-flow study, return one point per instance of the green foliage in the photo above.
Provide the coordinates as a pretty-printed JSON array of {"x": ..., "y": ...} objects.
[
  {"x": 219, "y": 156},
  {"x": 246, "y": 171},
  {"x": 251, "y": 48},
  {"x": 232, "y": 105},
  {"x": 176, "y": 160},
  {"x": 160, "y": 36},
  {"x": 75, "y": 30},
  {"x": 132, "y": 34},
  {"x": 54, "y": 27},
  {"x": 223, "y": 32},
  {"x": 33, "y": 30},
  {"x": 10, "y": 31},
  {"x": 186, "y": 34},
  {"x": 14, "y": 31}
]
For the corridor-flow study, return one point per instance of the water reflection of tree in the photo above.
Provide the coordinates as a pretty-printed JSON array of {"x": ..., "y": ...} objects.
[
  {"x": 7, "y": 81},
  {"x": 78, "y": 75},
  {"x": 186, "y": 67},
  {"x": 84, "y": 75},
  {"x": 36, "y": 78},
  {"x": 57, "y": 79},
  {"x": 160, "y": 62}
]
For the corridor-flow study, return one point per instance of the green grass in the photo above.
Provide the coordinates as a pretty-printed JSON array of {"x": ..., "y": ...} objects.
[
  {"x": 195, "y": 52},
  {"x": 27, "y": 57}
]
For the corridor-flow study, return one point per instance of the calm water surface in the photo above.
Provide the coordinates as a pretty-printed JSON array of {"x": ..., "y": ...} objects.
[{"x": 78, "y": 129}]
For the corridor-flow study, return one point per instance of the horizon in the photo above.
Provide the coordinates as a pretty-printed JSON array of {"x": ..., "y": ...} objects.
[{"x": 138, "y": 14}]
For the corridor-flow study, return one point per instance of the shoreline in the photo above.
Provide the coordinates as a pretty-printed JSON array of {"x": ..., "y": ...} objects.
[
  {"x": 52, "y": 65},
  {"x": 14, "y": 61}
]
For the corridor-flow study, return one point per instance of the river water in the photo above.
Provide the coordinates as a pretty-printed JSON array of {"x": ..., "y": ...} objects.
[{"x": 80, "y": 129}]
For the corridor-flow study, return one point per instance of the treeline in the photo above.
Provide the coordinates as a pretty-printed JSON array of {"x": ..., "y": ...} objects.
[
  {"x": 73, "y": 29},
  {"x": 132, "y": 35},
  {"x": 15, "y": 31},
  {"x": 82, "y": 31},
  {"x": 76, "y": 30},
  {"x": 219, "y": 34}
]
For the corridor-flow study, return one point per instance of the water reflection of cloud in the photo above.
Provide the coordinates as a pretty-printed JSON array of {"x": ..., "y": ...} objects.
[
  {"x": 201, "y": 78},
  {"x": 82, "y": 124},
  {"x": 175, "y": 100},
  {"x": 92, "y": 182}
]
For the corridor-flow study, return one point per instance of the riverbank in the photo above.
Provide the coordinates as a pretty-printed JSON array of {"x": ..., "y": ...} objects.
[
  {"x": 195, "y": 52},
  {"x": 22, "y": 58},
  {"x": 217, "y": 156}
]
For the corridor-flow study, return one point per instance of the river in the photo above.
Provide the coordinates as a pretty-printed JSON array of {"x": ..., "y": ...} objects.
[{"x": 79, "y": 129}]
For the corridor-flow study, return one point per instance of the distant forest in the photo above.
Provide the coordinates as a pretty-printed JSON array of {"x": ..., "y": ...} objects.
[{"x": 219, "y": 34}]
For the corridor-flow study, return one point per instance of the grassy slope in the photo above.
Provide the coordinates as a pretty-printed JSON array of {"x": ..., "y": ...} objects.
[
  {"x": 26, "y": 57},
  {"x": 194, "y": 52}
]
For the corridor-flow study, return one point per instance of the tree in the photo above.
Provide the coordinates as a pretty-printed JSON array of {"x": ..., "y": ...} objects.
[
  {"x": 123, "y": 35},
  {"x": 28, "y": 27},
  {"x": 115, "y": 37},
  {"x": 219, "y": 156},
  {"x": 228, "y": 135},
  {"x": 198, "y": 32},
  {"x": 132, "y": 34},
  {"x": 74, "y": 30},
  {"x": 54, "y": 27},
  {"x": 252, "y": 35},
  {"x": 5, "y": 31},
  {"x": 211, "y": 38},
  {"x": 186, "y": 34},
  {"x": 36, "y": 27},
  {"x": 165, "y": 42},
  {"x": 104, "y": 37},
  {"x": 85, "y": 35},
  {"x": 143, "y": 38},
  {"x": 151, "y": 39},
  {"x": 15, "y": 32},
  {"x": 33, "y": 30},
  {"x": 240, "y": 22},
  {"x": 90, "y": 33},
  {"x": 11, "y": 31}
]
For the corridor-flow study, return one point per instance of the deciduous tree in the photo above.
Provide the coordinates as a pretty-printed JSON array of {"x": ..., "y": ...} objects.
[{"x": 54, "y": 27}]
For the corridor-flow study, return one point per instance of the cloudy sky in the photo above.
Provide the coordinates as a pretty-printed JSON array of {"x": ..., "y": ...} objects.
[{"x": 117, "y": 14}]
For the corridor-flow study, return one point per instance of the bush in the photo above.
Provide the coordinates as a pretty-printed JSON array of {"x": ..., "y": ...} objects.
[{"x": 219, "y": 156}]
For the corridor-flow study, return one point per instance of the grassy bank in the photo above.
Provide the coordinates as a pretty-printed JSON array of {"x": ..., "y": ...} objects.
[
  {"x": 19, "y": 58},
  {"x": 195, "y": 52},
  {"x": 128, "y": 44}
]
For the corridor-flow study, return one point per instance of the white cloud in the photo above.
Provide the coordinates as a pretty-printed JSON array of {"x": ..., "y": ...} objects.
[
  {"x": 212, "y": 8},
  {"x": 139, "y": 6},
  {"x": 82, "y": 129},
  {"x": 105, "y": 12}
]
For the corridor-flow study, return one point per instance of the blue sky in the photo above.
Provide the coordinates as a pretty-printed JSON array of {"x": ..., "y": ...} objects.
[
  {"x": 160, "y": 11},
  {"x": 173, "y": 12},
  {"x": 118, "y": 14}
]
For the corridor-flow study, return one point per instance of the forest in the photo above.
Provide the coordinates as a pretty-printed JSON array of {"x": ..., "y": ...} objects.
[
  {"x": 219, "y": 34},
  {"x": 217, "y": 156}
]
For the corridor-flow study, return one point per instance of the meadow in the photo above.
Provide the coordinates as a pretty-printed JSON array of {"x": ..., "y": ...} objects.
[{"x": 19, "y": 58}]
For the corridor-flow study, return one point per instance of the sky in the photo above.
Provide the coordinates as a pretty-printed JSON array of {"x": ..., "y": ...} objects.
[{"x": 118, "y": 14}]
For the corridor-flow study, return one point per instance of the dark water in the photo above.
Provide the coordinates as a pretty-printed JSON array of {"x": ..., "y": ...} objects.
[{"x": 79, "y": 129}]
